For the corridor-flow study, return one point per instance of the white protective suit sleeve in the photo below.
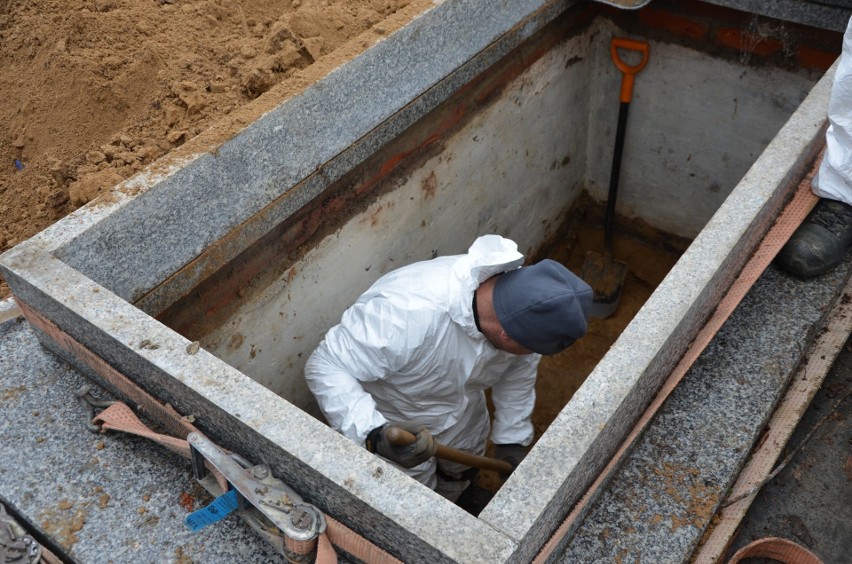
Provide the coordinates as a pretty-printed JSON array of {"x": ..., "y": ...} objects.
[
  {"x": 834, "y": 179},
  {"x": 365, "y": 346},
  {"x": 514, "y": 398}
]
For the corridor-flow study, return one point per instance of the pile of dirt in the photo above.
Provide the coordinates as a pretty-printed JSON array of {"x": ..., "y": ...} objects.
[{"x": 93, "y": 91}]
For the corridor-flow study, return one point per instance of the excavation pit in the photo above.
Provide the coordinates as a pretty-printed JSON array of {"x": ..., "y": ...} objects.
[{"x": 254, "y": 249}]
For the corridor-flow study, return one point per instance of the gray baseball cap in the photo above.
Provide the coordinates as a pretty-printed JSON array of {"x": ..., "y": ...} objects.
[{"x": 544, "y": 307}]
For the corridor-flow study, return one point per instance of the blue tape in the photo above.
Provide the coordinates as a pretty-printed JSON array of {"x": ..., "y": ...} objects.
[{"x": 220, "y": 508}]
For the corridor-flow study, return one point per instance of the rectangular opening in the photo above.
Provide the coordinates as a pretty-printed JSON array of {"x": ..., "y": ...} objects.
[{"x": 523, "y": 150}]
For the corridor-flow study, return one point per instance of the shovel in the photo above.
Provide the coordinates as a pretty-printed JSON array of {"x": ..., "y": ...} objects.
[
  {"x": 603, "y": 273},
  {"x": 402, "y": 437}
]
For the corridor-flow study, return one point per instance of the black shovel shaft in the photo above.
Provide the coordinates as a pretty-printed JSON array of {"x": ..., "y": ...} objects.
[{"x": 609, "y": 218}]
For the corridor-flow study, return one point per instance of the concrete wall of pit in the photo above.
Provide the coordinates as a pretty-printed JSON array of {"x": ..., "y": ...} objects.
[{"x": 509, "y": 154}]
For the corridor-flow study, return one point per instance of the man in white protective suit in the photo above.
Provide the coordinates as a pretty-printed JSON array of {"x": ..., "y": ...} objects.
[
  {"x": 821, "y": 242},
  {"x": 419, "y": 348}
]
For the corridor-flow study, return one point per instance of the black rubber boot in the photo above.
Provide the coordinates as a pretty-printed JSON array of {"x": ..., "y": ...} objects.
[{"x": 820, "y": 242}]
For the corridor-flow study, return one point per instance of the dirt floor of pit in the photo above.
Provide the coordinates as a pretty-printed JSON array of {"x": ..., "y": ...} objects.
[
  {"x": 560, "y": 375},
  {"x": 93, "y": 91}
]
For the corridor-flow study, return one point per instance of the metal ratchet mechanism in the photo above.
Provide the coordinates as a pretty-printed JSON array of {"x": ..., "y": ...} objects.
[
  {"x": 259, "y": 491},
  {"x": 16, "y": 546}
]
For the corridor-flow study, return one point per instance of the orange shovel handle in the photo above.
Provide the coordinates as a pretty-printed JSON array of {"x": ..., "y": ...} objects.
[{"x": 630, "y": 72}]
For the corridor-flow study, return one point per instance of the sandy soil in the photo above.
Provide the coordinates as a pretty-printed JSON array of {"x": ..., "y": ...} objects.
[
  {"x": 562, "y": 374},
  {"x": 92, "y": 91}
]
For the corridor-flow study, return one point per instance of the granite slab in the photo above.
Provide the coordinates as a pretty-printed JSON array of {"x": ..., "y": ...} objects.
[
  {"x": 98, "y": 498},
  {"x": 663, "y": 496}
]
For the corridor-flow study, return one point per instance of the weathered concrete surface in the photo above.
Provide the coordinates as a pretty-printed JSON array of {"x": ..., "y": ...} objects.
[
  {"x": 668, "y": 488},
  {"x": 677, "y": 168},
  {"x": 499, "y": 173}
]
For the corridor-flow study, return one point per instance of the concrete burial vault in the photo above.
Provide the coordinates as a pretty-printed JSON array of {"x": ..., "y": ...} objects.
[{"x": 476, "y": 117}]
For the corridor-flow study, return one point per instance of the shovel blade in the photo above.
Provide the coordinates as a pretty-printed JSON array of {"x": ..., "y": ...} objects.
[{"x": 606, "y": 277}]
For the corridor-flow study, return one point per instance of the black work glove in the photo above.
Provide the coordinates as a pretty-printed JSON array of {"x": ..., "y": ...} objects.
[
  {"x": 513, "y": 454},
  {"x": 422, "y": 449}
]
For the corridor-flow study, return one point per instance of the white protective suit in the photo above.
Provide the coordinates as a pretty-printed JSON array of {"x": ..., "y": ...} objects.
[
  {"x": 409, "y": 350},
  {"x": 834, "y": 179}
]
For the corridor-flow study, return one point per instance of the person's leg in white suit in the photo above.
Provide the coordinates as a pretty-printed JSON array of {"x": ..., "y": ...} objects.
[{"x": 822, "y": 240}]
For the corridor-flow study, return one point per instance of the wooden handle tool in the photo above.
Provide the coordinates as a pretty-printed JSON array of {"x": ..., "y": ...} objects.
[{"x": 401, "y": 437}]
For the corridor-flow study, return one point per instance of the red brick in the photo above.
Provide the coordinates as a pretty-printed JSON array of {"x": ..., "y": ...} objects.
[
  {"x": 673, "y": 23},
  {"x": 707, "y": 11},
  {"x": 815, "y": 58},
  {"x": 736, "y": 39}
]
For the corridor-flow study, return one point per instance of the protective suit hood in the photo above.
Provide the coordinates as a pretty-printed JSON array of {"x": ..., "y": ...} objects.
[{"x": 488, "y": 256}]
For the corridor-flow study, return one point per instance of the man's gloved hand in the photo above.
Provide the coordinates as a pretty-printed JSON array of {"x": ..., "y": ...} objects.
[
  {"x": 513, "y": 454},
  {"x": 422, "y": 449}
]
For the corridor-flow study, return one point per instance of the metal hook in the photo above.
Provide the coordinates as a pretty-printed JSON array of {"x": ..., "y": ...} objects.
[{"x": 89, "y": 403}]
